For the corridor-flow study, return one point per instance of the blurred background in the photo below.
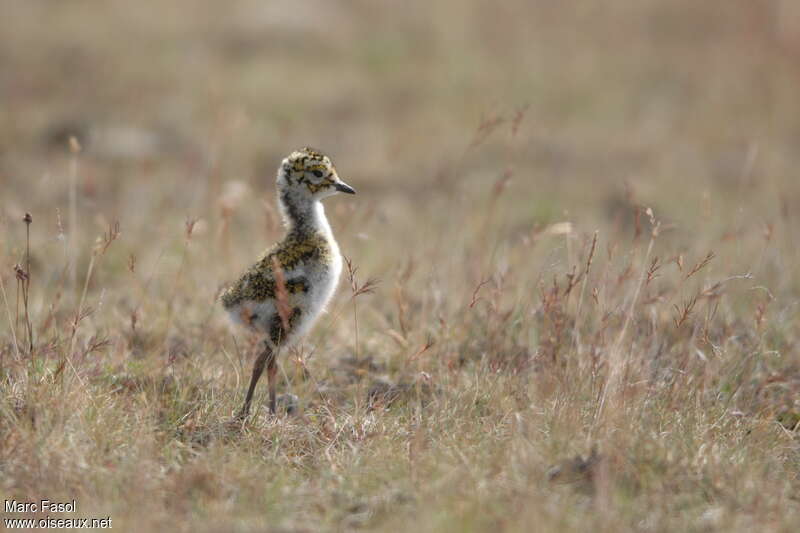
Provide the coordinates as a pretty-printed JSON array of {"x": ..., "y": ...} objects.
[
  {"x": 184, "y": 109},
  {"x": 575, "y": 113},
  {"x": 576, "y": 116}
]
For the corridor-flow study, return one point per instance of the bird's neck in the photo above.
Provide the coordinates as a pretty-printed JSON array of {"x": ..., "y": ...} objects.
[{"x": 303, "y": 215}]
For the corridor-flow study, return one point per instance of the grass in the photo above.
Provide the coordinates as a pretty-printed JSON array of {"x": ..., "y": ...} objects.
[{"x": 572, "y": 301}]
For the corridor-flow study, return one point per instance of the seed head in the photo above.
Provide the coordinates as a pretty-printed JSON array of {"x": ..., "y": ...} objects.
[{"x": 20, "y": 273}]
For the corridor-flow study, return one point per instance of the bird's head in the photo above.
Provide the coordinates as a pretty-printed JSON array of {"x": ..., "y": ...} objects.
[{"x": 310, "y": 173}]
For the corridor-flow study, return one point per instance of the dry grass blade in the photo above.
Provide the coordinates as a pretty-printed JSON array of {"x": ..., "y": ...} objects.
[
  {"x": 487, "y": 126},
  {"x": 700, "y": 265},
  {"x": 519, "y": 115},
  {"x": 557, "y": 348},
  {"x": 652, "y": 272},
  {"x": 475, "y": 298},
  {"x": 684, "y": 311},
  {"x": 281, "y": 294}
]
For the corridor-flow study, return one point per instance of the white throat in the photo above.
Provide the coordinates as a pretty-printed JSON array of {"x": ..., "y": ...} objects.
[{"x": 319, "y": 221}]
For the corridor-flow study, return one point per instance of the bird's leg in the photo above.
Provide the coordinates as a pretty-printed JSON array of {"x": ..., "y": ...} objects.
[
  {"x": 272, "y": 374},
  {"x": 258, "y": 368}
]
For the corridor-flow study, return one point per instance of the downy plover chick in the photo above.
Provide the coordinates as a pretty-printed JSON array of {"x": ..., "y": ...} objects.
[{"x": 284, "y": 292}]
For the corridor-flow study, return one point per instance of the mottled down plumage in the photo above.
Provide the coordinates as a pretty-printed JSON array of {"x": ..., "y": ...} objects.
[
  {"x": 283, "y": 293},
  {"x": 309, "y": 272}
]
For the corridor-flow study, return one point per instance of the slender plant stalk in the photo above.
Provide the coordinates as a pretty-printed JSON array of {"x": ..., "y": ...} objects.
[
  {"x": 27, "y": 282},
  {"x": 355, "y": 326},
  {"x": 75, "y": 149},
  {"x": 98, "y": 251},
  {"x": 616, "y": 361},
  {"x": 10, "y": 320},
  {"x": 576, "y": 334}
]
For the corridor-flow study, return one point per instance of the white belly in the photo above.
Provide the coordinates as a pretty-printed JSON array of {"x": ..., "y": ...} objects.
[
  {"x": 322, "y": 283},
  {"x": 322, "y": 280}
]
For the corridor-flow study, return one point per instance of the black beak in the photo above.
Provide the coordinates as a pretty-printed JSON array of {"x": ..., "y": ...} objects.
[{"x": 343, "y": 187}]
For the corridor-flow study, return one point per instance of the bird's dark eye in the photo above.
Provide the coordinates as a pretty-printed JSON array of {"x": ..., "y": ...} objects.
[{"x": 317, "y": 173}]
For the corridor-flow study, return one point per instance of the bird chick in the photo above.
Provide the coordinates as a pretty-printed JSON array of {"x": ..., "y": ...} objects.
[{"x": 284, "y": 292}]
